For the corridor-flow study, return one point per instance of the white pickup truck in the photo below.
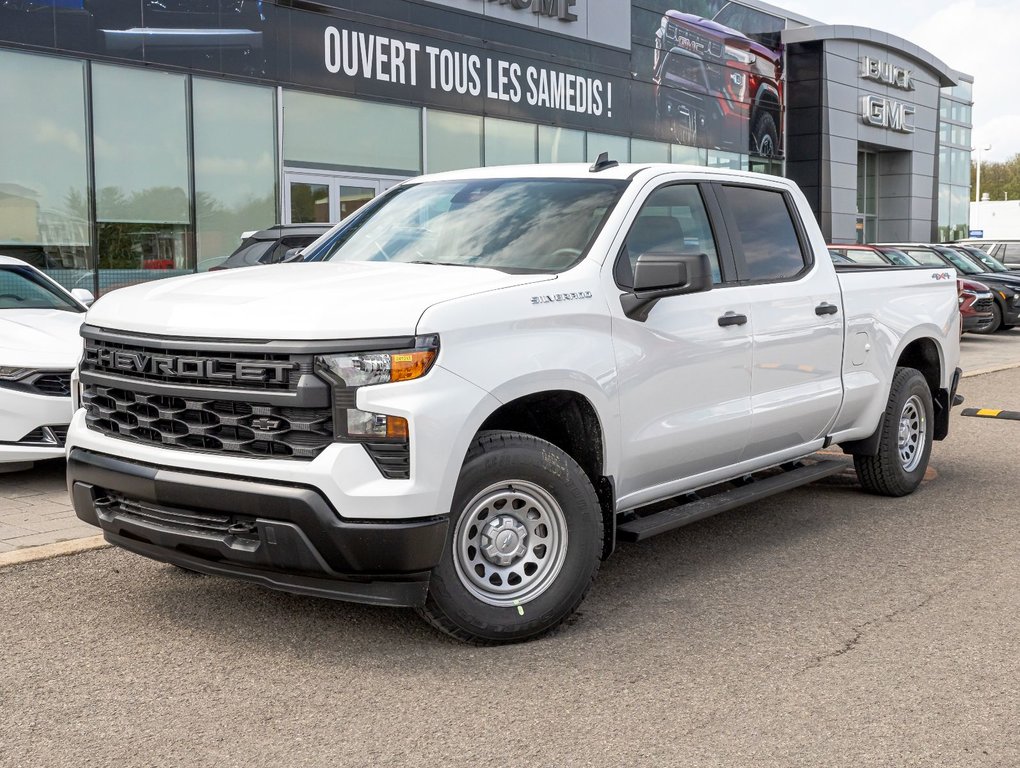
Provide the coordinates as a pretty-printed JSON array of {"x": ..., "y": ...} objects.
[{"x": 485, "y": 379}]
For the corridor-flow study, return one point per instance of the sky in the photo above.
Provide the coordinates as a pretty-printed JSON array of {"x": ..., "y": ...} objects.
[{"x": 972, "y": 36}]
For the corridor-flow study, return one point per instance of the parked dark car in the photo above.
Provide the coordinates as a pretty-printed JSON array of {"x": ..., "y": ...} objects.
[
  {"x": 1005, "y": 286},
  {"x": 1006, "y": 251},
  {"x": 273, "y": 245}
]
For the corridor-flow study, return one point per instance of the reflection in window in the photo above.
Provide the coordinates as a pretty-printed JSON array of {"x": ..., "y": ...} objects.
[
  {"x": 560, "y": 145},
  {"x": 642, "y": 151},
  {"x": 351, "y": 133},
  {"x": 672, "y": 220},
  {"x": 43, "y": 166},
  {"x": 618, "y": 147},
  {"x": 765, "y": 233},
  {"x": 235, "y": 165},
  {"x": 681, "y": 153},
  {"x": 508, "y": 142},
  {"x": 141, "y": 157},
  {"x": 454, "y": 141}
]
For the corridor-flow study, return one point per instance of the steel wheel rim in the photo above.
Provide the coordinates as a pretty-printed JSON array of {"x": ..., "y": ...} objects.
[
  {"x": 510, "y": 543},
  {"x": 912, "y": 433},
  {"x": 765, "y": 148}
]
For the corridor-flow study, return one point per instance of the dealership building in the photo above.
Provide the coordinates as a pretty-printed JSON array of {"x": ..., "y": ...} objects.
[{"x": 142, "y": 137}]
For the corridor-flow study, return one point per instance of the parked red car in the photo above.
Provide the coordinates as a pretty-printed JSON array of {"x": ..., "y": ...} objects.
[{"x": 976, "y": 302}]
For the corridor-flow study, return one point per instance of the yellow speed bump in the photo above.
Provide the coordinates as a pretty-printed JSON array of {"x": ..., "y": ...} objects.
[{"x": 991, "y": 413}]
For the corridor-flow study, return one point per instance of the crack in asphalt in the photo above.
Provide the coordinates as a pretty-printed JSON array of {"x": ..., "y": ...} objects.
[{"x": 859, "y": 630}]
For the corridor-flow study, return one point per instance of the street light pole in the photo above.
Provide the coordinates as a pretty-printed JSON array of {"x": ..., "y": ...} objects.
[{"x": 980, "y": 149}]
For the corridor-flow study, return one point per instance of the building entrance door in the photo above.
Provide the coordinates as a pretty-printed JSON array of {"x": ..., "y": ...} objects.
[{"x": 326, "y": 198}]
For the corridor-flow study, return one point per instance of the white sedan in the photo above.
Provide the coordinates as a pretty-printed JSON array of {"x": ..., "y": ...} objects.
[{"x": 39, "y": 346}]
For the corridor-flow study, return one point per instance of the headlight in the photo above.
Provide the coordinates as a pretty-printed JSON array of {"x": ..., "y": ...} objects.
[
  {"x": 360, "y": 369},
  {"x": 349, "y": 371},
  {"x": 13, "y": 374}
]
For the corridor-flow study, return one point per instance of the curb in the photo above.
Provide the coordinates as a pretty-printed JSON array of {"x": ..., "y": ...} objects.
[
  {"x": 47, "y": 551},
  {"x": 990, "y": 369}
]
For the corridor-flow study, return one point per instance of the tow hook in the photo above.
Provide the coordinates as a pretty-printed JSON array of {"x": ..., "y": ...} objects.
[{"x": 242, "y": 528}]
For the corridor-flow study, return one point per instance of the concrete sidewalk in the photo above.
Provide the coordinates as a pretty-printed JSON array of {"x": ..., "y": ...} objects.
[{"x": 36, "y": 512}]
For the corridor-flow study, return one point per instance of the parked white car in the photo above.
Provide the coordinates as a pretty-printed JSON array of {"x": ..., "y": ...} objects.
[{"x": 39, "y": 346}]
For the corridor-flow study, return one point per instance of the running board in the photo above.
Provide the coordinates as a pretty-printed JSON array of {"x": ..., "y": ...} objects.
[{"x": 675, "y": 517}]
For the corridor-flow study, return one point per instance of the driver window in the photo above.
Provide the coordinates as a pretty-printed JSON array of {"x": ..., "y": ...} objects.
[{"x": 672, "y": 220}]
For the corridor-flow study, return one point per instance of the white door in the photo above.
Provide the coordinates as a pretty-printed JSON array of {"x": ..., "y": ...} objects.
[
  {"x": 326, "y": 198},
  {"x": 795, "y": 318},
  {"x": 684, "y": 371}
]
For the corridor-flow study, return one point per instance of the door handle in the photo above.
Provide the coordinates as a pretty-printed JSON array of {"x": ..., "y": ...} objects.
[
  {"x": 825, "y": 308},
  {"x": 732, "y": 318}
]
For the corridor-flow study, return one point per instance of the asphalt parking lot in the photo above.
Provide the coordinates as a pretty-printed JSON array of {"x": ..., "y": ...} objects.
[{"x": 822, "y": 627}]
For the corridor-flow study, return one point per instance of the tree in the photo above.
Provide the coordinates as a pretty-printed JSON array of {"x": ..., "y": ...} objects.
[{"x": 1001, "y": 181}]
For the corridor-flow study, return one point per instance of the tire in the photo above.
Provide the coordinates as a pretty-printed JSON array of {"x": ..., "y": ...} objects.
[
  {"x": 905, "y": 445},
  {"x": 765, "y": 136},
  {"x": 536, "y": 498},
  {"x": 996, "y": 323}
]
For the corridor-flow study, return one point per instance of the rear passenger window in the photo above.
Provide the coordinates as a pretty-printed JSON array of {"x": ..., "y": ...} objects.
[
  {"x": 1012, "y": 253},
  {"x": 765, "y": 233},
  {"x": 672, "y": 220}
]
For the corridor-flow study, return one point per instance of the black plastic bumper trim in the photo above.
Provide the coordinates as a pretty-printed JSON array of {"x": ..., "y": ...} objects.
[
  {"x": 408, "y": 593},
  {"x": 289, "y": 532}
]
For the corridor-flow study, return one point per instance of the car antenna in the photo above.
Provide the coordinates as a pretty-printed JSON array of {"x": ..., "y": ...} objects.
[{"x": 602, "y": 163}]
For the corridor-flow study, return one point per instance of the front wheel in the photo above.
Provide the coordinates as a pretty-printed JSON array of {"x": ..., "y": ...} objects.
[
  {"x": 905, "y": 445},
  {"x": 524, "y": 542}
]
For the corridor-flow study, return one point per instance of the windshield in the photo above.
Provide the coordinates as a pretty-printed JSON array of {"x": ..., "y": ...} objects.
[
  {"x": 960, "y": 262},
  {"x": 925, "y": 257},
  {"x": 23, "y": 288},
  {"x": 992, "y": 263},
  {"x": 516, "y": 225},
  {"x": 899, "y": 258}
]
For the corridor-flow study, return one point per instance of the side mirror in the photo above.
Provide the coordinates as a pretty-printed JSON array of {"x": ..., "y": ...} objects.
[
  {"x": 658, "y": 275},
  {"x": 291, "y": 254},
  {"x": 84, "y": 296}
]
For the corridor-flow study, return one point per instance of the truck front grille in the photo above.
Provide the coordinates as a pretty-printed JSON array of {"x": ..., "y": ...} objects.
[
  {"x": 181, "y": 364},
  {"x": 984, "y": 305},
  {"x": 209, "y": 425}
]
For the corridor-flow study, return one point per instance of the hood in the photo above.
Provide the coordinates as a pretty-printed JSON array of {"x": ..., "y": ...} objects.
[
  {"x": 302, "y": 301},
  {"x": 998, "y": 277},
  {"x": 40, "y": 338}
]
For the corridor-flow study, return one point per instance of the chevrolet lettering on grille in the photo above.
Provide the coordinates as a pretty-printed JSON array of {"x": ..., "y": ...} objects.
[{"x": 189, "y": 367}]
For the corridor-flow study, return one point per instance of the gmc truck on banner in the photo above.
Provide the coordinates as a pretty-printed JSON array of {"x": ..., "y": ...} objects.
[{"x": 481, "y": 382}]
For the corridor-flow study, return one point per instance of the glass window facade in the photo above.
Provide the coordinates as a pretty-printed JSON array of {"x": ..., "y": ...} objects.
[
  {"x": 508, "y": 142},
  {"x": 453, "y": 141},
  {"x": 235, "y": 165},
  {"x": 560, "y": 145},
  {"x": 143, "y": 200},
  {"x": 618, "y": 147},
  {"x": 955, "y": 137},
  {"x": 351, "y": 134},
  {"x": 867, "y": 197},
  {"x": 44, "y": 191}
]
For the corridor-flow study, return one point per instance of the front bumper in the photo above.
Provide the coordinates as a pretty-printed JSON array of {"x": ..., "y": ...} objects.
[
  {"x": 22, "y": 414},
  {"x": 281, "y": 535}
]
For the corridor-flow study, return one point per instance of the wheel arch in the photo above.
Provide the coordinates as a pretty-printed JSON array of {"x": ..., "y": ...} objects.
[
  {"x": 568, "y": 419},
  {"x": 924, "y": 354}
]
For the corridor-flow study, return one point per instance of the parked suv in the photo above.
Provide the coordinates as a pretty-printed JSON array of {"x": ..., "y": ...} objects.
[
  {"x": 1006, "y": 251},
  {"x": 711, "y": 80},
  {"x": 273, "y": 245}
]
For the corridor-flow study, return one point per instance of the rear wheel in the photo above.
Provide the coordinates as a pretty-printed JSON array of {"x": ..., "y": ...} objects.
[
  {"x": 905, "y": 445},
  {"x": 524, "y": 545}
]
